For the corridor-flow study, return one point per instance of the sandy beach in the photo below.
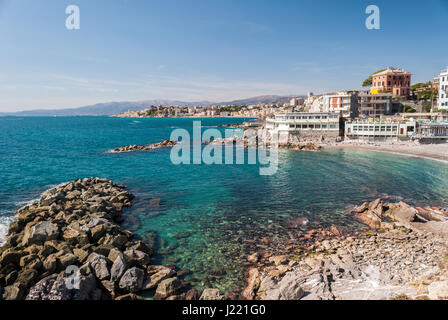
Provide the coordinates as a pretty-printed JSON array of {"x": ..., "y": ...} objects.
[{"x": 432, "y": 151}]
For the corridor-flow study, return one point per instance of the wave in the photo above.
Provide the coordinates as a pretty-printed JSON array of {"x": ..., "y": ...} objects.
[{"x": 5, "y": 221}]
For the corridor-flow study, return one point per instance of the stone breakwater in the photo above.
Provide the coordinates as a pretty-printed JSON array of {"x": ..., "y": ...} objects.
[
  {"x": 69, "y": 246},
  {"x": 163, "y": 144},
  {"x": 403, "y": 256}
]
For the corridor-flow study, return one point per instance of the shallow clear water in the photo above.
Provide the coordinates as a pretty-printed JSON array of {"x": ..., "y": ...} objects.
[{"x": 204, "y": 217}]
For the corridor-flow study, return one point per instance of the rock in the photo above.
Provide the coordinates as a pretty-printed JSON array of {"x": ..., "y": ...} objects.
[
  {"x": 168, "y": 287},
  {"x": 161, "y": 273},
  {"x": 253, "y": 283},
  {"x": 253, "y": 258},
  {"x": 13, "y": 292},
  {"x": 334, "y": 230},
  {"x": 98, "y": 232},
  {"x": 118, "y": 269},
  {"x": 136, "y": 257},
  {"x": 289, "y": 288},
  {"x": 82, "y": 255},
  {"x": 75, "y": 237},
  {"x": 132, "y": 280},
  {"x": 114, "y": 254},
  {"x": 193, "y": 294},
  {"x": 401, "y": 212},
  {"x": 68, "y": 260},
  {"x": 50, "y": 264},
  {"x": 370, "y": 218},
  {"x": 65, "y": 287},
  {"x": 211, "y": 294},
  {"x": 27, "y": 277},
  {"x": 10, "y": 256},
  {"x": 278, "y": 260},
  {"x": 31, "y": 261},
  {"x": 438, "y": 290},
  {"x": 99, "y": 265},
  {"x": 39, "y": 233},
  {"x": 129, "y": 296}
]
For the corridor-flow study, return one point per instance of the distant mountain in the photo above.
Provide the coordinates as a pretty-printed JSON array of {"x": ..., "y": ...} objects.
[
  {"x": 262, "y": 99},
  {"x": 110, "y": 108}
]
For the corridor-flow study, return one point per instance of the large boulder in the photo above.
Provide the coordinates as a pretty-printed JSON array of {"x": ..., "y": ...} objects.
[
  {"x": 253, "y": 283},
  {"x": 65, "y": 286},
  {"x": 118, "y": 268},
  {"x": 136, "y": 257},
  {"x": 132, "y": 280},
  {"x": 370, "y": 218},
  {"x": 157, "y": 275},
  {"x": 13, "y": 292},
  {"x": 168, "y": 287},
  {"x": 401, "y": 212},
  {"x": 39, "y": 233},
  {"x": 289, "y": 288},
  {"x": 98, "y": 263}
]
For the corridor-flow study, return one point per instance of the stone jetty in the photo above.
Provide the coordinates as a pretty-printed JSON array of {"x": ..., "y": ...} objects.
[
  {"x": 69, "y": 246},
  {"x": 402, "y": 255},
  {"x": 163, "y": 144}
]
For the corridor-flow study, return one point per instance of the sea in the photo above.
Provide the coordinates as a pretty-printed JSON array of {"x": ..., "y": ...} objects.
[{"x": 205, "y": 218}]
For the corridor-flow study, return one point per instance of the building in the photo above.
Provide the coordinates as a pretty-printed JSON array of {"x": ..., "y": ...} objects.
[
  {"x": 294, "y": 102},
  {"x": 303, "y": 124},
  {"x": 395, "y": 81},
  {"x": 443, "y": 91},
  {"x": 342, "y": 101},
  {"x": 374, "y": 105},
  {"x": 384, "y": 129},
  {"x": 436, "y": 83}
]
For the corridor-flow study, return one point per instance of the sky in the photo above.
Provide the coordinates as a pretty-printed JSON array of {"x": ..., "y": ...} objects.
[{"x": 216, "y": 50}]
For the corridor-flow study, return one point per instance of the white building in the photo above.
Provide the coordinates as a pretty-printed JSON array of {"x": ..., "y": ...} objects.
[
  {"x": 379, "y": 129},
  {"x": 443, "y": 90},
  {"x": 345, "y": 102},
  {"x": 307, "y": 124}
]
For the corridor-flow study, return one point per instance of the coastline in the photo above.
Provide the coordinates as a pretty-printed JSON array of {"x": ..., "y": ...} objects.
[
  {"x": 437, "y": 152},
  {"x": 401, "y": 255}
]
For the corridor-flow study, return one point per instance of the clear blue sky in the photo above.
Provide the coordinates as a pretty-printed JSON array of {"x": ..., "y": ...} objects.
[{"x": 208, "y": 50}]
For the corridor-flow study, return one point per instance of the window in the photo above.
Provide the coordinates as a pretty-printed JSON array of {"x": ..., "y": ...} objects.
[
  {"x": 370, "y": 128},
  {"x": 383, "y": 128},
  {"x": 333, "y": 126},
  {"x": 355, "y": 128},
  {"x": 304, "y": 126},
  {"x": 324, "y": 126},
  {"x": 317, "y": 126},
  {"x": 389, "y": 128}
]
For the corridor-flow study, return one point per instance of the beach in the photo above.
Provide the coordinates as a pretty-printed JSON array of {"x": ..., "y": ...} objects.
[{"x": 430, "y": 151}]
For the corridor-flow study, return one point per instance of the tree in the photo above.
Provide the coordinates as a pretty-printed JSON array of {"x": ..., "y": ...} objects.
[{"x": 369, "y": 80}]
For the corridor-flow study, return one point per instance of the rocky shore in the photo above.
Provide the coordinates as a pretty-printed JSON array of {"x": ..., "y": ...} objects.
[
  {"x": 163, "y": 144},
  {"x": 69, "y": 246},
  {"x": 403, "y": 256}
]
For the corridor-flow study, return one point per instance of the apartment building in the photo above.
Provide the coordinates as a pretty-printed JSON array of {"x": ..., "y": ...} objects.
[
  {"x": 374, "y": 105},
  {"x": 443, "y": 91},
  {"x": 395, "y": 81}
]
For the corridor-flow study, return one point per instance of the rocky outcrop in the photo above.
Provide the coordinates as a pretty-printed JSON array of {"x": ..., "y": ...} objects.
[
  {"x": 373, "y": 214},
  {"x": 163, "y": 144},
  {"x": 69, "y": 246},
  {"x": 400, "y": 258}
]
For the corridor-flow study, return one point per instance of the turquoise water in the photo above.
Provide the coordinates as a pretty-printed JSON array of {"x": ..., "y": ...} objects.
[{"x": 204, "y": 218}]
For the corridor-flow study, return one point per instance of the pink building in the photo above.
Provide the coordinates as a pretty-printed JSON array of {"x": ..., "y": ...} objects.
[{"x": 396, "y": 81}]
